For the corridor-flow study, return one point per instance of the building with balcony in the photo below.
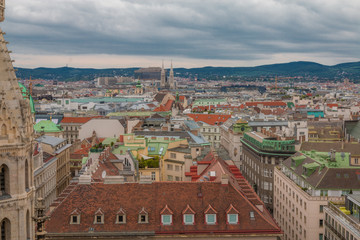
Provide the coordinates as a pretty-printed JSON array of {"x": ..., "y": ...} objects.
[
  {"x": 260, "y": 155},
  {"x": 303, "y": 186},
  {"x": 342, "y": 220}
]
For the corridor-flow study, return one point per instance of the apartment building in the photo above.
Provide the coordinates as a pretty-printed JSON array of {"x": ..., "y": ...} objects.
[
  {"x": 58, "y": 148},
  {"x": 342, "y": 220},
  {"x": 231, "y": 132},
  {"x": 303, "y": 186},
  {"x": 260, "y": 155}
]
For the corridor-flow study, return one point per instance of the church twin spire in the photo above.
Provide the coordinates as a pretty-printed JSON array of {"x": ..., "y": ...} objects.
[{"x": 167, "y": 82}]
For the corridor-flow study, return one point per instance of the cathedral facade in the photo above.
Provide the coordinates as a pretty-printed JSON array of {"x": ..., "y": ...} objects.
[{"x": 16, "y": 141}]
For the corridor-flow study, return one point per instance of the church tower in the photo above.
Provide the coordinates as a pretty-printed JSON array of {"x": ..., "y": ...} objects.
[
  {"x": 163, "y": 76},
  {"x": 171, "y": 77},
  {"x": 16, "y": 163}
]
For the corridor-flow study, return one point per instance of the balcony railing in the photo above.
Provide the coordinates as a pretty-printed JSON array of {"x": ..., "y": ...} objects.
[{"x": 348, "y": 218}]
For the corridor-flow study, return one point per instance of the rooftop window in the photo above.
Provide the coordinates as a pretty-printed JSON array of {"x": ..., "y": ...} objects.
[
  {"x": 166, "y": 219},
  {"x": 143, "y": 216},
  {"x": 189, "y": 219},
  {"x": 210, "y": 219},
  {"x": 232, "y": 218}
]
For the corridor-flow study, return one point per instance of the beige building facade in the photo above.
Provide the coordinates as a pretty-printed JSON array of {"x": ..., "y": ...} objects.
[
  {"x": 45, "y": 177},
  {"x": 300, "y": 215},
  {"x": 211, "y": 133},
  {"x": 16, "y": 163},
  {"x": 58, "y": 148}
]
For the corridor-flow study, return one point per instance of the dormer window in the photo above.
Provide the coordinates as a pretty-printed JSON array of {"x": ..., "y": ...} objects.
[
  {"x": 210, "y": 215},
  {"x": 143, "y": 216},
  {"x": 232, "y": 218},
  {"x": 75, "y": 217},
  {"x": 166, "y": 219},
  {"x": 252, "y": 216},
  {"x": 232, "y": 215},
  {"x": 189, "y": 219},
  {"x": 99, "y": 217},
  {"x": 188, "y": 216},
  {"x": 166, "y": 216},
  {"x": 121, "y": 216},
  {"x": 210, "y": 219}
]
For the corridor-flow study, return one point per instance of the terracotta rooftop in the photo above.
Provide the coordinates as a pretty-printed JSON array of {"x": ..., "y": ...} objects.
[
  {"x": 212, "y": 119},
  {"x": 273, "y": 104},
  {"x": 77, "y": 119},
  {"x": 166, "y": 107},
  {"x": 152, "y": 199}
]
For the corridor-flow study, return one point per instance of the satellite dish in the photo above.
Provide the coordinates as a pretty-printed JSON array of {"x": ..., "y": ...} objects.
[{"x": 103, "y": 175}]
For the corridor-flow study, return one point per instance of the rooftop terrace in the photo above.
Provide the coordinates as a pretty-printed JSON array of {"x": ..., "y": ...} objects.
[{"x": 340, "y": 160}]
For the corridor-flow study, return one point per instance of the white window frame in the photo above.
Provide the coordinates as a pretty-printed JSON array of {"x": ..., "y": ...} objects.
[
  {"x": 124, "y": 219},
  {"x": 162, "y": 219},
  {"x": 207, "y": 219},
  {"x": 77, "y": 219},
  {"x": 192, "y": 219},
  {"x": 237, "y": 218}
]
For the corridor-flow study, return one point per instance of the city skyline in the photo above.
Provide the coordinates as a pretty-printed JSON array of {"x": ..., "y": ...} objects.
[{"x": 193, "y": 34}]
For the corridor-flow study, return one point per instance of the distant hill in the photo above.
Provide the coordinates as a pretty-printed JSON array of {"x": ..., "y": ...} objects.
[{"x": 308, "y": 70}]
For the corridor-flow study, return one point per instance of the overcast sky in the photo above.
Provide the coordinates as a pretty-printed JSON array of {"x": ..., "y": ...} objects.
[{"x": 193, "y": 33}]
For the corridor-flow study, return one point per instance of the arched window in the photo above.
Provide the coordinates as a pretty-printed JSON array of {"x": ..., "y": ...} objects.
[
  {"x": 4, "y": 180},
  {"x": 3, "y": 130},
  {"x": 27, "y": 225},
  {"x": 5, "y": 229},
  {"x": 26, "y": 175}
]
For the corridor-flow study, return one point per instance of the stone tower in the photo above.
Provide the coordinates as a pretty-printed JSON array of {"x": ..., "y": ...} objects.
[
  {"x": 163, "y": 76},
  {"x": 16, "y": 165},
  {"x": 171, "y": 77}
]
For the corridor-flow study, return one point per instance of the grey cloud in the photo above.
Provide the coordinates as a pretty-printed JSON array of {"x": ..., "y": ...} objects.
[{"x": 210, "y": 29}]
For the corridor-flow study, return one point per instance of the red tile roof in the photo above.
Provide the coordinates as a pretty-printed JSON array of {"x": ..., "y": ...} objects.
[
  {"x": 166, "y": 107},
  {"x": 108, "y": 167},
  {"x": 212, "y": 119},
  {"x": 273, "y": 104},
  {"x": 332, "y": 105},
  {"x": 153, "y": 198},
  {"x": 77, "y": 119}
]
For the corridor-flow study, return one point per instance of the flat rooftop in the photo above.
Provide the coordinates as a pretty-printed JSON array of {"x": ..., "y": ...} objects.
[{"x": 257, "y": 136}]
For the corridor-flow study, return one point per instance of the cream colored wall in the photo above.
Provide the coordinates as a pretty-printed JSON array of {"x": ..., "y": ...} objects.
[
  {"x": 103, "y": 127},
  {"x": 148, "y": 171},
  {"x": 45, "y": 183},
  {"x": 304, "y": 209}
]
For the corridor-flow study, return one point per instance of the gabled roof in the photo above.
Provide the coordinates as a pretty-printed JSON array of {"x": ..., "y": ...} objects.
[
  {"x": 232, "y": 210},
  {"x": 166, "y": 107},
  {"x": 77, "y": 119},
  {"x": 159, "y": 97},
  {"x": 188, "y": 210},
  {"x": 210, "y": 210},
  {"x": 166, "y": 210},
  {"x": 151, "y": 199},
  {"x": 273, "y": 104},
  {"x": 212, "y": 119}
]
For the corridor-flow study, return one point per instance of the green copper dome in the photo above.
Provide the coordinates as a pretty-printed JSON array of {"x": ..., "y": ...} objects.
[
  {"x": 25, "y": 94},
  {"x": 46, "y": 126}
]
